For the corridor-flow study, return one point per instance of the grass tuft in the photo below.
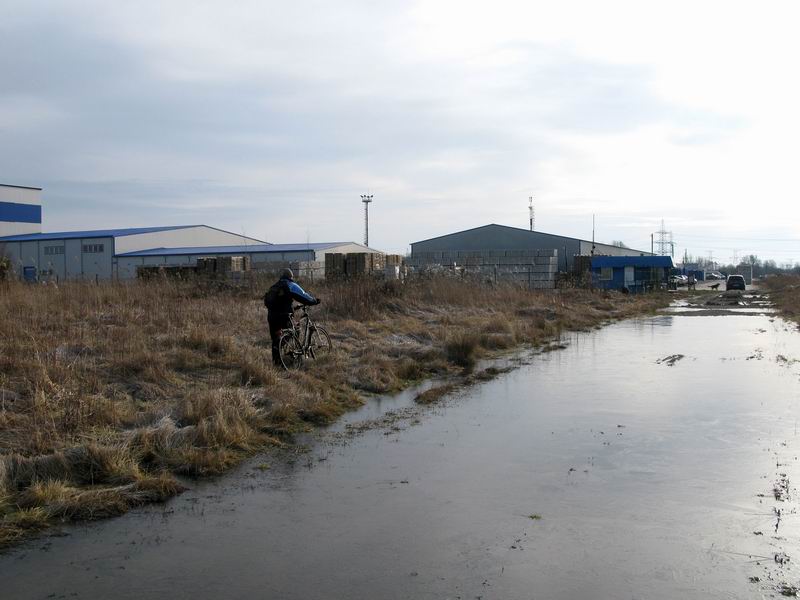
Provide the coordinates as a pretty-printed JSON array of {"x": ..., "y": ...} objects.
[
  {"x": 434, "y": 394},
  {"x": 461, "y": 348}
]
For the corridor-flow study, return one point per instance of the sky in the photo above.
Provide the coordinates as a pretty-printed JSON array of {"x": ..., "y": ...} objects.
[{"x": 273, "y": 118}]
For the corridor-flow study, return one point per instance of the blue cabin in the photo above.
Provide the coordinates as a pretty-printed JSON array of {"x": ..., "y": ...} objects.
[{"x": 631, "y": 273}]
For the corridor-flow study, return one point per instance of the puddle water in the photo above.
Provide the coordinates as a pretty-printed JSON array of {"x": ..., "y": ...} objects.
[{"x": 598, "y": 471}]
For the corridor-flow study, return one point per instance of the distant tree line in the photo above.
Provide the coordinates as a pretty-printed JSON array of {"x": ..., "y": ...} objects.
[{"x": 760, "y": 267}]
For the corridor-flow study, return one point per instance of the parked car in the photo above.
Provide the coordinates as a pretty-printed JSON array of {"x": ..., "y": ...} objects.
[
  {"x": 735, "y": 282},
  {"x": 714, "y": 275},
  {"x": 679, "y": 279}
]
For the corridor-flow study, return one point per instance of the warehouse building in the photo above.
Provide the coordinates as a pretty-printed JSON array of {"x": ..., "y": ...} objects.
[
  {"x": 488, "y": 240},
  {"x": 20, "y": 210},
  {"x": 116, "y": 253},
  {"x": 93, "y": 254}
]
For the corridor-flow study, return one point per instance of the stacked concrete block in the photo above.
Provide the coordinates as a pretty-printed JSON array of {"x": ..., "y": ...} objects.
[
  {"x": 535, "y": 269},
  {"x": 393, "y": 260},
  {"x": 306, "y": 269},
  {"x": 356, "y": 264},
  {"x": 222, "y": 265},
  {"x": 334, "y": 266}
]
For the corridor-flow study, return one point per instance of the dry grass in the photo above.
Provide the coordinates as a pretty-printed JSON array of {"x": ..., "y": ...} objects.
[
  {"x": 784, "y": 291},
  {"x": 435, "y": 393},
  {"x": 108, "y": 392}
]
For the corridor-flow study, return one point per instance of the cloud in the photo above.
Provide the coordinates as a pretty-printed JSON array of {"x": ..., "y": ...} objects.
[{"x": 277, "y": 117}]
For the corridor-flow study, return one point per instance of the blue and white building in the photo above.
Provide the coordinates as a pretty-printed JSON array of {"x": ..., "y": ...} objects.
[{"x": 20, "y": 210}]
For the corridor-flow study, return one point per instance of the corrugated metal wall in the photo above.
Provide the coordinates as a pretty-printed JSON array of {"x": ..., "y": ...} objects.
[{"x": 79, "y": 258}]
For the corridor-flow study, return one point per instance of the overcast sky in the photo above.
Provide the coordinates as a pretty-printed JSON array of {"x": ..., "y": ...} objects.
[{"x": 272, "y": 118}]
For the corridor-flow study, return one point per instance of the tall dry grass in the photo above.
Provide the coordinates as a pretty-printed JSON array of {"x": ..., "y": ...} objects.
[
  {"x": 107, "y": 392},
  {"x": 784, "y": 291}
]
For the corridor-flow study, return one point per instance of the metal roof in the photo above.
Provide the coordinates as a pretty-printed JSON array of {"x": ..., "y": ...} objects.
[
  {"x": 22, "y": 187},
  {"x": 632, "y": 261},
  {"x": 248, "y": 249},
  {"x": 97, "y": 233},
  {"x": 534, "y": 232}
]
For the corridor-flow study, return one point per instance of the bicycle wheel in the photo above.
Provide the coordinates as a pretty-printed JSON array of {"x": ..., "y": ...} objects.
[
  {"x": 320, "y": 343},
  {"x": 290, "y": 350}
]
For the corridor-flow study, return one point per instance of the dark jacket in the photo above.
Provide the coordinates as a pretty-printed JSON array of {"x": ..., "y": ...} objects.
[{"x": 287, "y": 292}]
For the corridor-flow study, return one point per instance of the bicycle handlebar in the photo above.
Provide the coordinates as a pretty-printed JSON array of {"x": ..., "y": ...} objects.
[{"x": 303, "y": 307}]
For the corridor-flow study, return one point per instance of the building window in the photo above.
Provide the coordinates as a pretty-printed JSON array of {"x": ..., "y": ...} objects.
[
  {"x": 93, "y": 248},
  {"x": 606, "y": 273},
  {"x": 53, "y": 250}
]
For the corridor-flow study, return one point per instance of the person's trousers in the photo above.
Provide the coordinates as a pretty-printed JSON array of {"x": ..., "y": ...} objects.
[{"x": 277, "y": 323}]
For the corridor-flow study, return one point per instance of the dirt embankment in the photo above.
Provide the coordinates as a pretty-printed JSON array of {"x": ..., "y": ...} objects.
[
  {"x": 784, "y": 292},
  {"x": 109, "y": 392}
]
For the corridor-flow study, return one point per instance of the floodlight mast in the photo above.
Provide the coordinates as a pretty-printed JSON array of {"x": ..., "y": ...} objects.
[{"x": 366, "y": 199}]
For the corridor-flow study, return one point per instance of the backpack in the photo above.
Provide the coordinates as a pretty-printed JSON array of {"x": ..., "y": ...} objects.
[{"x": 273, "y": 296}]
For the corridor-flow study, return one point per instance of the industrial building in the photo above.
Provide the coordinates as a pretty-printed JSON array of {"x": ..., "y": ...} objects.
[
  {"x": 93, "y": 254},
  {"x": 490, "y": 239},
  {"x": 118, "y": 253},
  {"x": 20, "y": 210}
]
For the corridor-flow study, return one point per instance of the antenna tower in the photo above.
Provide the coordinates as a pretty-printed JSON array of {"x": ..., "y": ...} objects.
[
  {"x": 366, "y": 199},
  {"x": 664, "y": 243},
  {"x": 531, "y": 212}
]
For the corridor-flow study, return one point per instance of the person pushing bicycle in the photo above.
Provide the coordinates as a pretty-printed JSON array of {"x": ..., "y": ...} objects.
[{"x": 278, "y": 300}]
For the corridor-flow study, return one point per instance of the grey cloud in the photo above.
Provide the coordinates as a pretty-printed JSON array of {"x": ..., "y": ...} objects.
[{"x": 131, "y": 145}]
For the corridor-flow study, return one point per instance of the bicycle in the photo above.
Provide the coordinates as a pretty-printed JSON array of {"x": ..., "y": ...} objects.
[{"x": 304, "y": 339}]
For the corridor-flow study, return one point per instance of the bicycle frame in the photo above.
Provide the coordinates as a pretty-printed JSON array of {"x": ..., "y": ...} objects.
[{"x": 302, "y": 328}]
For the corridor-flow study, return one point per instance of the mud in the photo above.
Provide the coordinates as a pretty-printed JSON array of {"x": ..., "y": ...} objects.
[
  {"x": 591, "y": 472},
  {"x": 718, "y": 304}
]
